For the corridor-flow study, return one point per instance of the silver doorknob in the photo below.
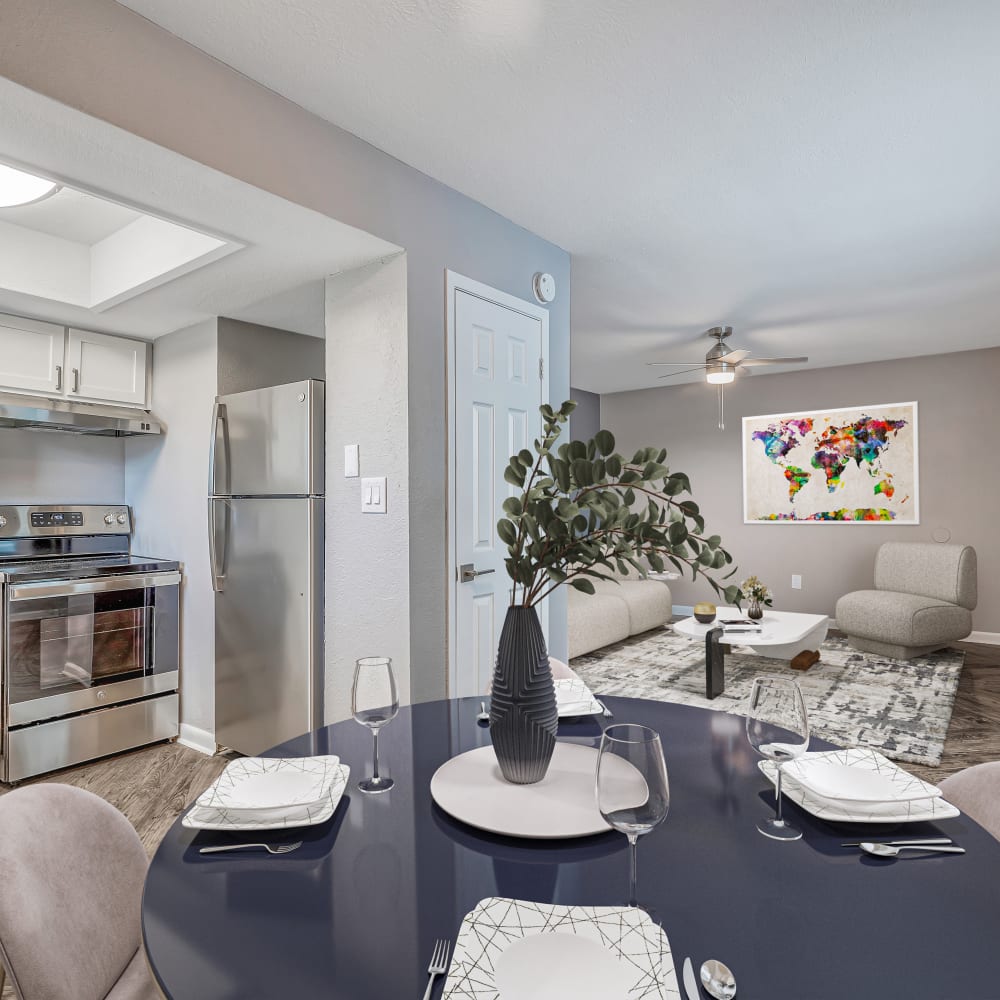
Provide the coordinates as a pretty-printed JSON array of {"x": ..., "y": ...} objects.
[{"x": 467, "y": 572}]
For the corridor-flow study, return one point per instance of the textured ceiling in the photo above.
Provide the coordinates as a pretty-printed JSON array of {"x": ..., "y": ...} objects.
[{"x": 821, "y": 176}]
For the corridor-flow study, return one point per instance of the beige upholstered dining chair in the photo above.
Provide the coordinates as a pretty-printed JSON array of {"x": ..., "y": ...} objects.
[
  {"x": 976, "y": 791},
  {"x": 71, "y": 876}
]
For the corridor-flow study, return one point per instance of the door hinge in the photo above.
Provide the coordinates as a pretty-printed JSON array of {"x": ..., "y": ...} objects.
[{"x": 541, "y": 368}]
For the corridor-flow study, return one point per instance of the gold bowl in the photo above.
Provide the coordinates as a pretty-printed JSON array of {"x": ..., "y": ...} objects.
[{"x": 705, "y": 612}]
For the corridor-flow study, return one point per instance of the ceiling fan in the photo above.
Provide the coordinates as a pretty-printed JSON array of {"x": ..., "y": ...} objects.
[{"x": 722, "y": 364}]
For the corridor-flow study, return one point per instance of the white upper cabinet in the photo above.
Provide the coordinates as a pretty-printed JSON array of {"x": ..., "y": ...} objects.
[
  {"x": 109, "y": 369},
  {"x": 31, "y": 356}
]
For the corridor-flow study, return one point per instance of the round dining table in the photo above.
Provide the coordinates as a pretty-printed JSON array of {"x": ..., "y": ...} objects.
[{"x": 354, "y": 913}]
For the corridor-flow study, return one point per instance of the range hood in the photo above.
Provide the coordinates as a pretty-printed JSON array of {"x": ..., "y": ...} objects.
[{"x": 40, "y": 413}]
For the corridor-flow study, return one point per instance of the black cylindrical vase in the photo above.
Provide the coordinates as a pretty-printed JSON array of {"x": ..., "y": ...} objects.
[{"x": 523, "y": 717}]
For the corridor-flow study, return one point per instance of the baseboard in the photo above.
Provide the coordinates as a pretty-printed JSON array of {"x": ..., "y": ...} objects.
[
  {"x": 197, "y": 739},
  {"x": 683, "y": 610},
  {"x": 986, "y": 638}
]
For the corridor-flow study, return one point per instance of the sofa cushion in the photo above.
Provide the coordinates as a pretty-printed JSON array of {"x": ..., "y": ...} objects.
[
  {"x": 649, "y": 604},
  {"x": 595, "y": 620},
  {"x": 902, "y": 619}
]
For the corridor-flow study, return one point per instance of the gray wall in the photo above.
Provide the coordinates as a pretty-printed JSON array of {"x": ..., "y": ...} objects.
[
  {"x": 47, "y": 467},
  {"x": 103, "y": 59},
  {"x": 367, "y": 583},
  {"x": 959, "y": 473},
  {"x": 254, "y": 357},
  {"x": 586, "y": 419},
  {"x": 167, "y": 482}
]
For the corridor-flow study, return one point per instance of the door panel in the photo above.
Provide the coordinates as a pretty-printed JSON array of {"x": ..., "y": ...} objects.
[
  {"x": 112, "y": 369},
  {"x": 273, "y": 441},
  {"x": 498, "y": 389},
  {"x": 31, "y": 356},
  {"x": 268, "y": 631}
]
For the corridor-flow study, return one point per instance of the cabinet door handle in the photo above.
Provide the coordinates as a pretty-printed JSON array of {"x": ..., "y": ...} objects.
[
  {"x": 58, "y": 378},
  {"x": 76, "y": 380}
]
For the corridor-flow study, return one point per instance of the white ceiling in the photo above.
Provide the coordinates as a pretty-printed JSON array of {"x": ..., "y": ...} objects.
[
  {"x": 821, "y": 176},
  {"x": 72, "y": 215},
  {"x": 273, "y": 280}
]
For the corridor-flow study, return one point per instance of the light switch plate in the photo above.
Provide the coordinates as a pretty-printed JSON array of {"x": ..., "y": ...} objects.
[
  {"x": 352, "y": 462},
  {"x": 373, "y": 490},
  {"x": 796, "y": 582}
]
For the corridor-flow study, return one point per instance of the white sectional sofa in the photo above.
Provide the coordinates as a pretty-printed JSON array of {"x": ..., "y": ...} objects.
[{"x": 616, "y": 611}]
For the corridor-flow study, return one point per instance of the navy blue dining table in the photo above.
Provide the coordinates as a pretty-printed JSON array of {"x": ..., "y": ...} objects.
[{"x": 354, "y": 913}]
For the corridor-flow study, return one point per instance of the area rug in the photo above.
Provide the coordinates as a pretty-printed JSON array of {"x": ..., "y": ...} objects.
[{"x": 900, "y": 707}]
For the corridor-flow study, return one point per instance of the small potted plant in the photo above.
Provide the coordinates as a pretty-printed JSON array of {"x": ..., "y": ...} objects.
[
  {"x": 756, "y": 594},
  {"x": 582, "y": 512}
]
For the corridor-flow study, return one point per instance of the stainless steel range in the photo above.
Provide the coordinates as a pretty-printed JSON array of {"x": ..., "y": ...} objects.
[{"x": 90, "y": 638}]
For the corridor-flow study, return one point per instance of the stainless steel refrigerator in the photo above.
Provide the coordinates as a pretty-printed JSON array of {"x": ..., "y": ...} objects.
[{"x": 265, "y": 526}]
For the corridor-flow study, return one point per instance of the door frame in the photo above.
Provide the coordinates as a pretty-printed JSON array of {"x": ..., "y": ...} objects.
[{"x": 454, "y": 283}]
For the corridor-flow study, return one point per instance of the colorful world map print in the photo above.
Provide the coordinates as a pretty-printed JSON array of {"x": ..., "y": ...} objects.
[{"x": 855, "y": 465}]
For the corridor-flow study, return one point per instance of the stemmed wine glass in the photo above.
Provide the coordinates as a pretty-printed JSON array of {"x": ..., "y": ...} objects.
[
  {"x": 374, "y": 702},
  {"x": 777, "y": 728},
  {"x": 633, "y": 794}
]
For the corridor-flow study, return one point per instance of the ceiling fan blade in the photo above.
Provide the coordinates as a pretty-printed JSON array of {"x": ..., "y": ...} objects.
[
  {"x": 773, "y": 361},
  {"x": 674, "y": 364},
  {"x": 733, "y": 357},
  {"x": 683, "y": 371}
]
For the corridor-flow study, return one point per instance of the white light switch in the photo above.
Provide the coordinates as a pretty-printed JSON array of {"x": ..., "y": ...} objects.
[
  {"x": 352, "y": 463},
  {"x": 796, "y": 582},
  {"x": 373, "y": 495}
]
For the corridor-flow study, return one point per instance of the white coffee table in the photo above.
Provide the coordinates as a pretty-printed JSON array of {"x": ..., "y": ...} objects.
[{"x": 783, "y": 635}]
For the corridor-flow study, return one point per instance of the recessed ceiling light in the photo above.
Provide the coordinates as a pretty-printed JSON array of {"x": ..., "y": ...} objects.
[{"x": 20, "y": 188}]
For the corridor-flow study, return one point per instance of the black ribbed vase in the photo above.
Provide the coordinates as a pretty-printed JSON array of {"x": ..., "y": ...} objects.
[{"x": 523, "y": 718}]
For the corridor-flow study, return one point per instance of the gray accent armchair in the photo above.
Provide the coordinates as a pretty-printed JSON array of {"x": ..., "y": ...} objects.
[
  {"x": 923, "y": 600},
  {"x": 71, "y": 876}
]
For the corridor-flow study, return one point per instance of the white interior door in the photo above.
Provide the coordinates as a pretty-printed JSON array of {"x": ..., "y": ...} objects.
[{"x": 499, "y": 350}]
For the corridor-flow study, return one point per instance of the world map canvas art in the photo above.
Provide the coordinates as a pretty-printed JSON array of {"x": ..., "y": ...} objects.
[{"x": 856, "y": 465}]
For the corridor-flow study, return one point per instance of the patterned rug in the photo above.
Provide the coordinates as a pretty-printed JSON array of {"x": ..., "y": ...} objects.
[{"x": 899, "y": 707}]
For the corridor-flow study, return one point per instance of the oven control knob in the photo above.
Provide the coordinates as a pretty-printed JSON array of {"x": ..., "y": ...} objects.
[
  {"x": 109, "y": 518},
  {"x": 3, "y": 521},
  {"x": 101, "y": 696},
  {"x": 122, "y": 518}
]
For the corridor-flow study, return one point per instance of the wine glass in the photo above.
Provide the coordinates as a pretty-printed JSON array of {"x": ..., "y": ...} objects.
[
  {"x": 777, "y": 728},
  {"x": 633, "y": 794},
  {"x": 374, "y": 702}
]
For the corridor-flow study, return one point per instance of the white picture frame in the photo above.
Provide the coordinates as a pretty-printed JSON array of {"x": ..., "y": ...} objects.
[{"x": 892, "y": 472}]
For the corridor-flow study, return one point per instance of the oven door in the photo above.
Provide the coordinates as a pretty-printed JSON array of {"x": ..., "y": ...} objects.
[{"x": 74, "y": 645}]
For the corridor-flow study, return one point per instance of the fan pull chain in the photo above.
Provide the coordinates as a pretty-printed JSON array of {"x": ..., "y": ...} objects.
[{"x": 722, "y": 413}]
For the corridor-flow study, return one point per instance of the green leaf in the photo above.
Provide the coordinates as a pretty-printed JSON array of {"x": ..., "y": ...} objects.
[
  {"x": 512, "y": 506},
  {"x": 583, "y": 584},
  {"x": 513, "y": 476},
  {"x": 506, "y": 531},
  {"x": 605, "y": 442},
  {"x": 677, "y": 532},
  {"x": 613, "y": 466},
  {"x": 527, "y": 459}
]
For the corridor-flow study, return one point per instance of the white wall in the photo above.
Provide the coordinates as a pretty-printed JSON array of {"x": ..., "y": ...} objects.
[
  {"x": 166, "y": 480},
  {"x": 51, "y": 467},
  {"x": 367, "y": 555}
]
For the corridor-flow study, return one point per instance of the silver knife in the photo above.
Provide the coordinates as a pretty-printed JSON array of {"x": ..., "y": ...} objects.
[
  {"x": 690, "y": 983},
  {"x": 903, "y": 843}
]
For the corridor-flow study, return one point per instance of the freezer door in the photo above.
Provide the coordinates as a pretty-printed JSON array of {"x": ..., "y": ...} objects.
[
  {"x": 269, "y": 442},
  {"x": 269, "y": 624}
]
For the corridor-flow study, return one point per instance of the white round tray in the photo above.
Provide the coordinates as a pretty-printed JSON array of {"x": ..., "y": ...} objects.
[{"x": 471, "y": 788}]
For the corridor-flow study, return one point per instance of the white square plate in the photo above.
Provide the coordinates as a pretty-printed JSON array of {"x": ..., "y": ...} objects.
[
  {"x": 258, "y": 785},
  {"x": 574, "y": 698},
  {"x": 883, "y": 781},
  {"x": 523, "y": 947},
  {"x": 837, "y": 811},
  {"x": 213, "y": 817}
]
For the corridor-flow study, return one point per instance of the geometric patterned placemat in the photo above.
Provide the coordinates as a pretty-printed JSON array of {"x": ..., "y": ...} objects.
[
  {"x": 899, "y": 707},
  {"x": 627, "y": 932}
]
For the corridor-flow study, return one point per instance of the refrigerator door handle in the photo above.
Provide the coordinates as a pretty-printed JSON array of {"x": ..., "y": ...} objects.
[
  {"x": 220, "y": 421},
  {"x": 218, "y": 567}
]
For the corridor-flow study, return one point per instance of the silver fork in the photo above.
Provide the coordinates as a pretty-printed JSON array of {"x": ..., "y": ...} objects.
[
  {"x": 439, "y": 964},
  {"x": 270, "y": 848},
  {"x": 605, "y": 711}
]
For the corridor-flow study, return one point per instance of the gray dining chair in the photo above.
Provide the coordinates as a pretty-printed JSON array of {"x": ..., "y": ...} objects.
[
  {"x": 976, "y": 791},
  {"x": 71, "y": 876}
]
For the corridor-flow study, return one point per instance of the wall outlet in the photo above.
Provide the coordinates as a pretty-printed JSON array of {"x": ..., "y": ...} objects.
[{"x": 796, "y": 582}]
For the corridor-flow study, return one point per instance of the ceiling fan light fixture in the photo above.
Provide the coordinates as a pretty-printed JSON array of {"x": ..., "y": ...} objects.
[
  {"x": 17, "y": 187},
  {"x": 722, "y": 375}
]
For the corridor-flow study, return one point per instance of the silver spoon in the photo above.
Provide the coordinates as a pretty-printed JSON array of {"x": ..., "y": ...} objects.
[
  {"x": 484, "y": 716},
  {"x": 718, "y": 981},
  {"x": 892, "y": 850}
]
